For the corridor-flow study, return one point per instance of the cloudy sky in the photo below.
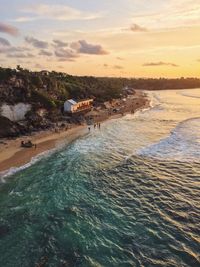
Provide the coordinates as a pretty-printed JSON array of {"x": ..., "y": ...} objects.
[{"x": 130, "y": 38}]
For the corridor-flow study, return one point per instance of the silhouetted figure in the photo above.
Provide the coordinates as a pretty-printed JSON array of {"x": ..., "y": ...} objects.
[
  {"x": 89, "y": 129},
  {"x": 29, "y": 143}
]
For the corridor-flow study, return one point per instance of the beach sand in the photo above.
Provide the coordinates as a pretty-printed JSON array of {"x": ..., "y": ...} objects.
[{"x": 13, "y": 155}]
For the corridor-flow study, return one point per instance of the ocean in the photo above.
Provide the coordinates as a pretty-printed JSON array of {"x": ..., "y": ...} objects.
[{"x": 125, "y": 195}]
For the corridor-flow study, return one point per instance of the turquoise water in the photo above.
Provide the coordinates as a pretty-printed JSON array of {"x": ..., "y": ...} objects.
[{"x": 127, "y": 195}]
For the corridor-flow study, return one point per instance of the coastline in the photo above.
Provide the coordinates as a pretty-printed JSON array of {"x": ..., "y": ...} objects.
[{"x": 14, "y": 156}]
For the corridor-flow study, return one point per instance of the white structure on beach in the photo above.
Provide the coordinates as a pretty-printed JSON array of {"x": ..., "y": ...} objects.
[
  {"x": 72, "y": 106},
  {"x": 15, "y": 112}
]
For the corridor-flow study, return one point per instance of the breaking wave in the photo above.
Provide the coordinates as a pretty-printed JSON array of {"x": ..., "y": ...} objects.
[{"x": 182, "y": 144}]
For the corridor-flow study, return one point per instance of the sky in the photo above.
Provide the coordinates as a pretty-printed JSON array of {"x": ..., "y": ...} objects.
[{"x": 120, "y": 38}]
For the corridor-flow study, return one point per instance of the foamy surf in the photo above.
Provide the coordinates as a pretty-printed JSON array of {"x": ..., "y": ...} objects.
[
  {"x": 34, "y": 160},
  {"x": 60, "y": 144},
  {"x": 183, "y": 144},
  {"x": 86, "y": 201}
]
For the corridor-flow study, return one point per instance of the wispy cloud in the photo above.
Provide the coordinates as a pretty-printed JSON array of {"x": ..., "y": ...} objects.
[
  {"x": 20, "y": 55},
  {"x": 118, "y": 67},
  {"x": 24, "y": 19},
  {"x": 12, "y": 49},
  {"x": 176, "y": 13},
  {"x": 4, "y": 42},
  {"x": 59, "y": 43},
  {"x": 66, "y": 54},
  {"x": 137, "y": 28},
  {"x": 83, "y": 47},
  {"x": 8, "y": 29},
  {"x": 55, "y": 12},
  {"x": 39, "y": 66},
  {"x": 45, "y": 53},
  {"x": 120, "y": 58},
  {"x": 36, "y": 43},
  {"x": 160, "y": 63}
]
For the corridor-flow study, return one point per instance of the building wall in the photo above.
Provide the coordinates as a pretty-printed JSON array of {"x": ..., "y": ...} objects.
[{"x": 67, "y": 107}]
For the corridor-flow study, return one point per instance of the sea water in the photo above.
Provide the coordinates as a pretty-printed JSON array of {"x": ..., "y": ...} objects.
[{"x": 125, "y": 195}]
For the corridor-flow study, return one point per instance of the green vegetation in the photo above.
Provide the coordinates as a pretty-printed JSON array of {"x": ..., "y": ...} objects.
[{"x": 51, "y": 89}]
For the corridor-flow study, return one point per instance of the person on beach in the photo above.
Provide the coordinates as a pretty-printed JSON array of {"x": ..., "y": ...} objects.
[
  {"x": 89, "y": 129},
  {"x": 95, "y": 126}
]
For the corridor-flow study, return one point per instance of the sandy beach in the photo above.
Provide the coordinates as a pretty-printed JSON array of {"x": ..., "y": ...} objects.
[{"x": 13, "y": 155}]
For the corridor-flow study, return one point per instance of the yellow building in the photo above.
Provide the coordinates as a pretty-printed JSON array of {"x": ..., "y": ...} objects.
[{"x": 72, "y": 106}]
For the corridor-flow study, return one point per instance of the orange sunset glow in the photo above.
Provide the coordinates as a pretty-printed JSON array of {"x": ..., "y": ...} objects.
[{"x": 122, "y": 38}]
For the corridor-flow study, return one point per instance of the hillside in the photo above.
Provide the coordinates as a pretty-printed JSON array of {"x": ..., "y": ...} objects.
[{"x": 36, "y": 99}]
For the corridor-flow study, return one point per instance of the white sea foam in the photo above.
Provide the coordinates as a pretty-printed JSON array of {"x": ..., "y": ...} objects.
[
  {"x": 195, "y": 93},
  {"x": 164, "y": 130},
  {"x": 182, "y": 144},
  {"x": 33, "y": 160}
]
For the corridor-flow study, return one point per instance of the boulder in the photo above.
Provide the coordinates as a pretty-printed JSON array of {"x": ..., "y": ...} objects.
[
  {"x": 9, "y": 128},
  {"x": 35, "y": 121}
]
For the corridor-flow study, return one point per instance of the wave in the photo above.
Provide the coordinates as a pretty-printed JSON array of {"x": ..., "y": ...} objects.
[
  {"x": 182, "y": 144},
  {"x": 190, "y": 94},
  {"x": 59, "y": 146},
  {"x": 33, "y": 160}
]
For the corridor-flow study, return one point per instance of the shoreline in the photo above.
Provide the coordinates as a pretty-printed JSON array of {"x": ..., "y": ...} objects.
[{"x": 14, "y": 156}]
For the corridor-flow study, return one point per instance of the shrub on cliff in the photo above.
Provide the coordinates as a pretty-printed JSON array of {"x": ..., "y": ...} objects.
[{"x": 43, "y": 100}]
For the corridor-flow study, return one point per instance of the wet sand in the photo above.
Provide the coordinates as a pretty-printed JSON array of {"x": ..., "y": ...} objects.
[{"x": 12, "y": 155}]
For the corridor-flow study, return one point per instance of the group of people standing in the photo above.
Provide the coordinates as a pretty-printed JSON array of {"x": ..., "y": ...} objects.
[{"x": 96, "y": 125}]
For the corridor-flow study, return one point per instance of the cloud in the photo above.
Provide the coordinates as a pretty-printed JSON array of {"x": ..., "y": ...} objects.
[
  {"x": 75, "y": 49},
  {"x": 17, "y": 49},
  {"x": 55, "y": 12},
  {"x": 119, "y": 58},
  {"x": 8, "y": 29},
  {"x": 118, "y": 67},
  {"x": 20, "y": 55},
  {"x": 172, "y": 14},
  {"x": 4, "y": 42},
  {"x": 24, "y": 19},
  {"x": 137, "y": 28},
  {"x": 45, "y": 53},
  {"x": 198, "y": 60},
  {"x": 66, "y": 54},
  {"x": 161, "y": 63},
  {"x": 59, "y": 43},
  {"x": 36, "y": 43},
  {"x": 12, "y": 49},
  {"x": 38, "y": 66},
  {"x": 83, "y": 47}
]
